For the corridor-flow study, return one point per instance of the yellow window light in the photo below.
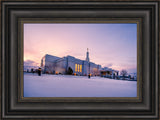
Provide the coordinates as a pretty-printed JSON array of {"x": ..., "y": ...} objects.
[
  {"x": 76, "y": 67},
  {"x": 80, "y": 68}
]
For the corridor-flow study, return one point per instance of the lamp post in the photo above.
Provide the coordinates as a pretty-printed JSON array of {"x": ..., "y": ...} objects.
[{"x": 89, "y": 70}]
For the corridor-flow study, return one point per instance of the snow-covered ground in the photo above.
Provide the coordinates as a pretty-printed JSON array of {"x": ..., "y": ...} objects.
[{"x": 76, "y": 86}]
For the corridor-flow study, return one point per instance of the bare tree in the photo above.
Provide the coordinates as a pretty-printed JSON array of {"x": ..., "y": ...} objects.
[
  {"x": 124, "y": 73},
  {"x": 95, "y": 71}
]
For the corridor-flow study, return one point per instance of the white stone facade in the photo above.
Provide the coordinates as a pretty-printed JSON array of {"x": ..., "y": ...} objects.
[
  {"x": 73, "y": 66},
  {"x": 56, "y": 65}
]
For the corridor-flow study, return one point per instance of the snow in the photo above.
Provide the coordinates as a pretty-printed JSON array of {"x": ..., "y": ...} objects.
[{"x": 76, "y": 86}]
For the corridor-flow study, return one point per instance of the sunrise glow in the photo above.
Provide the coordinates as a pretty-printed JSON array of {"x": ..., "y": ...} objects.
[{"x": 110, "y": 45}]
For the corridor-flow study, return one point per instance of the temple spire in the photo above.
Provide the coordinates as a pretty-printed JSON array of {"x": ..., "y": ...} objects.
[{"x": 87, "y": 55}]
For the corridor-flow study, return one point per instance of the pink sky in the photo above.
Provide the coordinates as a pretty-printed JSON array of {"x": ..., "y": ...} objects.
[{"x": 110, "y": 45}]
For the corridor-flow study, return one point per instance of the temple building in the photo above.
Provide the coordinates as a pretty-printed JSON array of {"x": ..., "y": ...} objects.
[{"x": 72, "y": 66}]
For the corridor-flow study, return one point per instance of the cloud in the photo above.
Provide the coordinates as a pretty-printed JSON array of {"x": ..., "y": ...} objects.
[
  {"x": 30, "y": 63},
  {"x": 132, "y": 70},
  {"x": 108, "y": 65}
]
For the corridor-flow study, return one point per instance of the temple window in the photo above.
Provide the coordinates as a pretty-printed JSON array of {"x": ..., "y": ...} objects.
[
  {"x": 80, "y": 68},
  {"x": 76, "y": 67}
]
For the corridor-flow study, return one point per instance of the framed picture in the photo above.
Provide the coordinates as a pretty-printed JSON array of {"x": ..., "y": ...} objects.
[
  {"x": 56, "y": 60},
  {"x": 80, "y": 59}
]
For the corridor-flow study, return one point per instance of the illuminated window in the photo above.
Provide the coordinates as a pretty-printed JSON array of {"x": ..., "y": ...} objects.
[
  {"x": 80, "y": 68},
  {"x": 76, "y": 67}
]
